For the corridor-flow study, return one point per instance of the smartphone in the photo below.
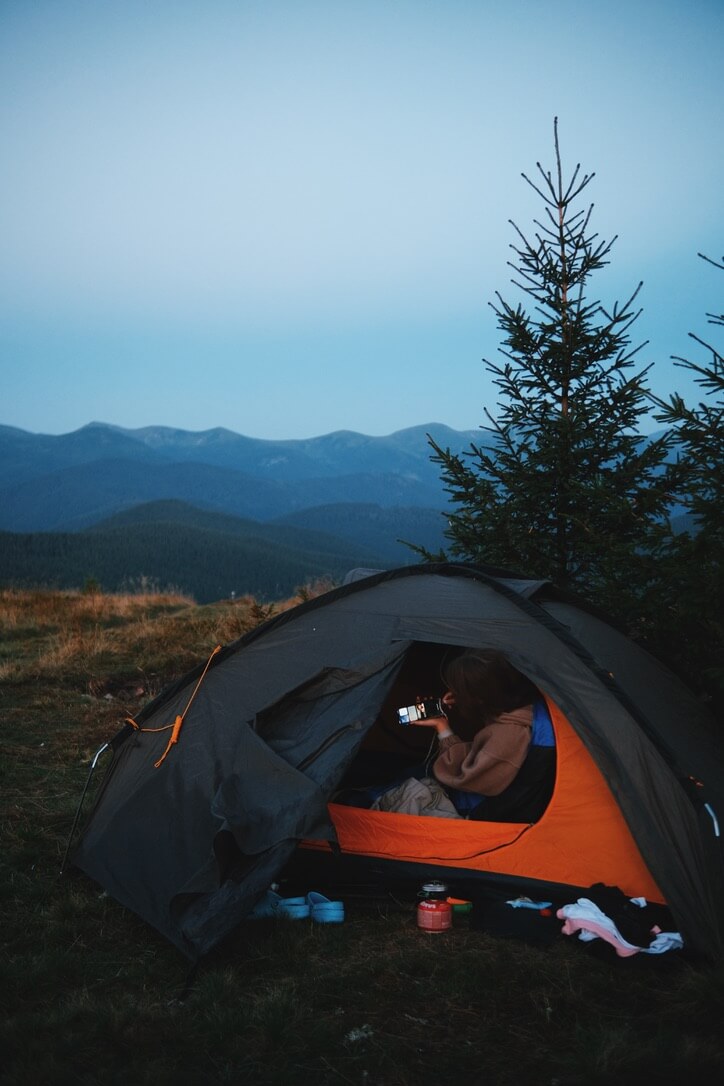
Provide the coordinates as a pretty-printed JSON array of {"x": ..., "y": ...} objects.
[{"x": 421, "y": 710}]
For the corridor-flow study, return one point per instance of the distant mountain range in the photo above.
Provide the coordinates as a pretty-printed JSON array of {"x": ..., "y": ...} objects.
[
  {"x": 214, "y": 512},
  {"x": 69, "y": 482}
]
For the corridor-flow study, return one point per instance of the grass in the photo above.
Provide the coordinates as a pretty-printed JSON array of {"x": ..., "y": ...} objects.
[{"x": 90, "y": 994}]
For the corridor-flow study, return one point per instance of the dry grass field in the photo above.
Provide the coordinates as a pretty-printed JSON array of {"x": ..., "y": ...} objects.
[{"x": 91, "y": 995}]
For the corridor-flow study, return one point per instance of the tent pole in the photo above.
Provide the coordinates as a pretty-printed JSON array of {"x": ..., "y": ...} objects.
[{"x": 76, "y": 820}]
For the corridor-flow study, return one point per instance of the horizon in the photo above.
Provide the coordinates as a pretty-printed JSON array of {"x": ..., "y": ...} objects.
[
  {"x": 422, "y": 426},
  {"x": 289, "y": 219}
]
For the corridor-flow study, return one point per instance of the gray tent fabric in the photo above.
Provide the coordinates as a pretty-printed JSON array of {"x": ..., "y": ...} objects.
[{"x": 281, "y": 714}]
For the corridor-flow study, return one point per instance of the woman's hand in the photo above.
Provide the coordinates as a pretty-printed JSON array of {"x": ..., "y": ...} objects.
[{"x": 440, "y": 723}]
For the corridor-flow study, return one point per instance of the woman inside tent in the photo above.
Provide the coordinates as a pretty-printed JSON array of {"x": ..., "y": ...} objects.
[{"x": 496, "y": 748}]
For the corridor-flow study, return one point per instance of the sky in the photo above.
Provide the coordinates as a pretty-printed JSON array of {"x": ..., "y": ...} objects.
[{"x": 290, "y": 217}]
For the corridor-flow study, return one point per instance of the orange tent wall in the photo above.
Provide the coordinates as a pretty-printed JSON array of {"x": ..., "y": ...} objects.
[{"x": 581, "y": 839}]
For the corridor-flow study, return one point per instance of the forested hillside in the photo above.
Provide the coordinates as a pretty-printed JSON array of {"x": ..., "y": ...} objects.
[
  {"x": 208, "y": 560},
  {"x": 383, "y": 530}
]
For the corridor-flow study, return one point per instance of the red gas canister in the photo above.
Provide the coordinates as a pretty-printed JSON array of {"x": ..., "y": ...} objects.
[{"x": 434, "y": 911}]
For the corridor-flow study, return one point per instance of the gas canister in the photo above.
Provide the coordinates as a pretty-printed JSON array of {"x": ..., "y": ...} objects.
[{"x": 434, "y": 911}]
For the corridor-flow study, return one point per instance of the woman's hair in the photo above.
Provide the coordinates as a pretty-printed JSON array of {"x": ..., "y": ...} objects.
[{"x": 485, "y": 684}]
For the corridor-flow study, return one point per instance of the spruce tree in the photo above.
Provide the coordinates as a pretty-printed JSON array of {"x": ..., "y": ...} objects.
[
  {"x": 562, "y": 486},
  {"x": 692, "y": 626}
]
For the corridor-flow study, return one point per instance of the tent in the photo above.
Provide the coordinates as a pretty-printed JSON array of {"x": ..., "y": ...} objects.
[{"x": 190, "y": 825}]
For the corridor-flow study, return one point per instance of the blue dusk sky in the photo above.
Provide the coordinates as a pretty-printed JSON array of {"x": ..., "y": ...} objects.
[{"x": 288, "y": 217}]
